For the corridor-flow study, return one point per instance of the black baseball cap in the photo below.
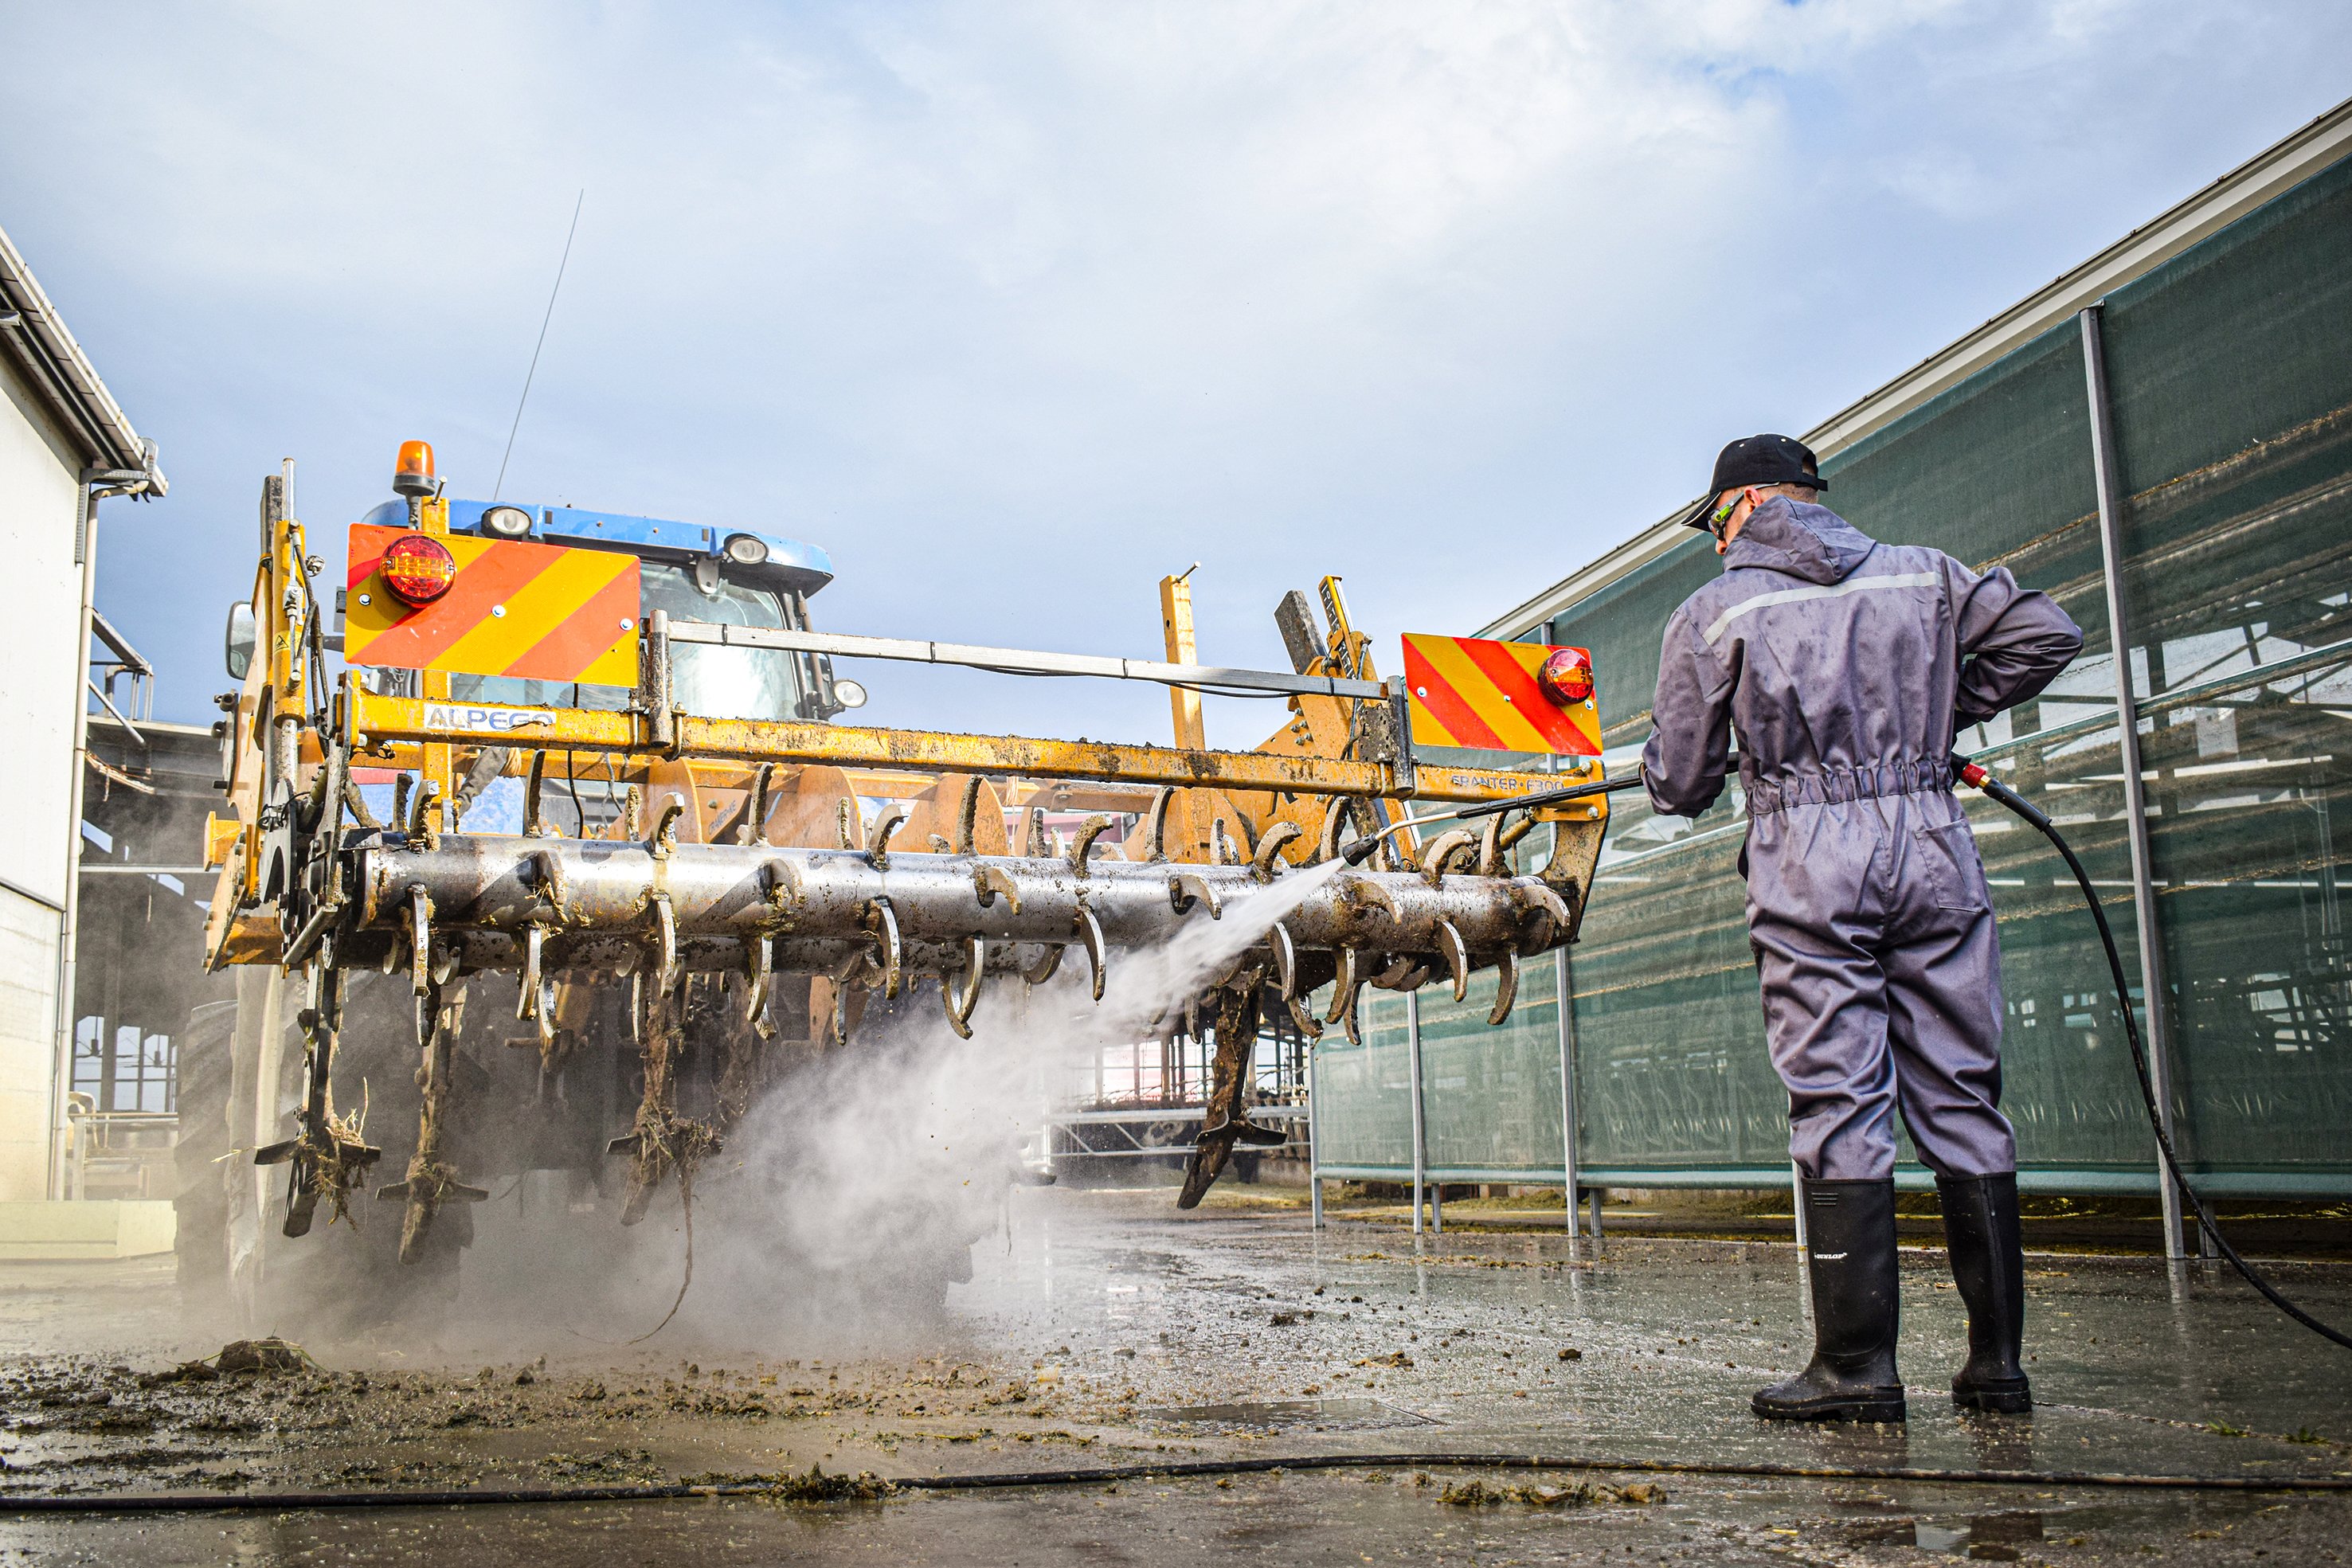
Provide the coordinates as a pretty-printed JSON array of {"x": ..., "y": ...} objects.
[{"x": 1756, "y": 460}]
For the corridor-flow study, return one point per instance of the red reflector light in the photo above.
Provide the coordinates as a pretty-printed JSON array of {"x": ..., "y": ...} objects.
[
  {"x": 418, "y": 569},
  {"x": 1565, "y": 677}
]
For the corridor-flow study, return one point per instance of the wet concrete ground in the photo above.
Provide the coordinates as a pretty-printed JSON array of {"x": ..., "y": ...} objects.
[{"x": 1104, "y": 1329}]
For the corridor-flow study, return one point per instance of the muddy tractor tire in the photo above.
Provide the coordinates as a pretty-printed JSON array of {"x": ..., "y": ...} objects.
[{"x": 240, "y": 1081}]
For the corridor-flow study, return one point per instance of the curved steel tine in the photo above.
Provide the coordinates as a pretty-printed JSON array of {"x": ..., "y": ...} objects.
[
  {"x": 761, "y": 961},
  {"x": 1349, "y": 1021},
  {"x": 420, "y": 802},
  {"x": 1335, "y": 822},
  {"x": 1091, "y": 937},
  {"x": 1221, "y": 844},
  {"x": 664, "y": 837},
  {"x": 988, "y": 881},
  {"x": 883, "y": 921},
  {"x": 1304, "y": 1017},
  {"x": 1457, "y": 954},
  {"x": 1038, "y": 844},
  {"x": 838, "y": 1022},
  {"x": 1038, "y": 973},
  {"x": 1490, "y": 848},
  {"x": 1286, "y": 959},
  {"x": 755, "y": 809},
  {"x": 666, "y": 936},
  {"x": 533, "y": 827},
  {"x": 940, "y": 845},
  {"x": 1084, "y": 844},
  {"x": 1397, "y": 854},
  {"x": 420, "y": 937},
  {"x": 1448, "y": 844},
  {"x": 551, "y": 880},
  {"x": 1264, "y": 864},
  {"x": 1540, "y": 893},
  {"x": 968, "y": 816},
  {"x": 975, "y": 958},
  {"x": 1343, "y": 988},
  {"x": 877, "y": 842},
  {"x": 1364, "y": 890},
  {"x": 1185, "y": 886},
  {"x": 783, "y": 886},
  {"x": 545, "y": 1012},
  {"x": 1155, "y": 823},
  {"x": 534, "y": 939},
  {"x": 844, "y": 822},
  {"x": 1506, "y": 987},
  {"x": 1393, "y": 979}
]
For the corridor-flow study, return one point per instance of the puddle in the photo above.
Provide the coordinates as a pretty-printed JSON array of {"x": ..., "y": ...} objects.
[
  {"x": 1293, "y": 1415},
  {"x": 1992, "y": 1537}
]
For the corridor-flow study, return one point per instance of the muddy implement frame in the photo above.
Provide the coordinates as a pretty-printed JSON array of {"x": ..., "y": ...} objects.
[{"x": 744, "y": 862}]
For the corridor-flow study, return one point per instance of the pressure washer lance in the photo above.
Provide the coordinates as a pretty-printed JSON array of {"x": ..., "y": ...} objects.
[
  {"x": 1362, "y": 850},
  {"x": 1968, "y": 773}
]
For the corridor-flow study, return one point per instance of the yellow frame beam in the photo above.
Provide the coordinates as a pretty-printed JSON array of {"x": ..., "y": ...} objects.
[{"x": 377, "y": 720}]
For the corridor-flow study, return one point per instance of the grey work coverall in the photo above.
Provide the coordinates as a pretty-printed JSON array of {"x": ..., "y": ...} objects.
[{"x": 1844, "y": 666}]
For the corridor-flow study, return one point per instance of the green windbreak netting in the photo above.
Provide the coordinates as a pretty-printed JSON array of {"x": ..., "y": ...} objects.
[{"x": 2229, "y": 370}]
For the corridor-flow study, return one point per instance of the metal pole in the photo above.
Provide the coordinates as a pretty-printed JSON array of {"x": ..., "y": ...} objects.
[
  {"x": 1413, "y": 1083},
  {"x": 1313, "y": 1146},
  {"x": 69, "y": 918},
  {"x": 2106, "y": 464},
  {"x": 1567, "y": 1097}
]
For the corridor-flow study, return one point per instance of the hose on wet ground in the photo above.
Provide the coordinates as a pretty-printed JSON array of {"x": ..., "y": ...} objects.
[
  {"x": 1104, "y": 1475},
  {"x": 788, "y": 1488},
  {"x": 1967, "y": 772}
]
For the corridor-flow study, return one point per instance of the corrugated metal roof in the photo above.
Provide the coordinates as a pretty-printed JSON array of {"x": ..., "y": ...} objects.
[{"x": 2324, "y": 141}]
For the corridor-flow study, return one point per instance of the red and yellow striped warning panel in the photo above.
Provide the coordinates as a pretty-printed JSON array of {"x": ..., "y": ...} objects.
[
  {"x": 534, "y": 612},
  {"x": 1469, "y": 691}
]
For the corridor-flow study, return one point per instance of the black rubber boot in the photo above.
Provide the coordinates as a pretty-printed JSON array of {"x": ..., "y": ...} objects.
[
  {"x": 1989, "y": 1265},
  {"x": 1850, "y": 1237}
]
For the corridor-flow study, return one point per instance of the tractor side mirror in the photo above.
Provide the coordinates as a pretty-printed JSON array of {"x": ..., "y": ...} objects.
[
  {"x": 848, "y": 694},
  {"x": 237, "y": 644}
]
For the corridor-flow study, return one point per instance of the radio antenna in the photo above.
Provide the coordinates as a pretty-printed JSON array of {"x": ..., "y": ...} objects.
[{"x": 527, "y": 375}]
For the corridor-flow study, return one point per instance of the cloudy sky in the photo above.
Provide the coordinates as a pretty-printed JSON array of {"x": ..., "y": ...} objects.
[{"x": 1014, "y": 307}]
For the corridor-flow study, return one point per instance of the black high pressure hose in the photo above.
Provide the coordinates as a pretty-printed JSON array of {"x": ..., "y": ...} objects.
[
  {"x": 1967, "y": 772},
  {"x": 1964, "y": 771}
]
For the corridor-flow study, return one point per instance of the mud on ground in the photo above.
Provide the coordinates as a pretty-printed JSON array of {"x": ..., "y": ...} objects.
[{"x": 1105, "y": 1329}]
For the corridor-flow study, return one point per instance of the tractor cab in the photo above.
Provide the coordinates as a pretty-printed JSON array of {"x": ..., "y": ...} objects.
[{"x": 730, "y": 576}]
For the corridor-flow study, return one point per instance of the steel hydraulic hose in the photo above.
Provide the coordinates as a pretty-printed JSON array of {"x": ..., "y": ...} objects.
[
  {"x": 1005, "y": 1480},
  {"x": 1968, "y": 773}
]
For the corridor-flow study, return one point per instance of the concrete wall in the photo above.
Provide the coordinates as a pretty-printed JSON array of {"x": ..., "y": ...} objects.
[{"x": 39, "y": 795}]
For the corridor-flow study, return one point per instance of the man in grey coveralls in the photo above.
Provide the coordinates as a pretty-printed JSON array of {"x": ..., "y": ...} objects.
[{"x": 1845, "y": 668}]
